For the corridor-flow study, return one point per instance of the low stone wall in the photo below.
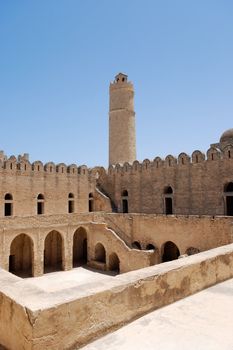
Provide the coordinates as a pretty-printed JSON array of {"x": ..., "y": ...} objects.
[{"x": 72, "y": 317}]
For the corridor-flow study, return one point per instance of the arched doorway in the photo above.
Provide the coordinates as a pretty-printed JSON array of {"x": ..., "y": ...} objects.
[
  {"x": 124, "y": 197},
  {"x": 150, "y": 247},
  {"x": 21, "y": 256},
  {"x": 79, "y": 247},
  {"x": 114, "y": 263},
  {"x": 170, "y": 251},
  {"x": 192, "y": 251},
  {"x": 228, "y": 194},
  {"x": 168, "y": 200},
  {"x": 100, "y": 253},
  {"x": 53, "y": 252},
  {"x": 136, "y": 245}
]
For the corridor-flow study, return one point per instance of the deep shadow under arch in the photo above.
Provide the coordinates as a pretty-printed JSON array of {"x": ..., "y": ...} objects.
[
  {"x": 228, "y": 193},
  {"x": 21, "y": 256},
  {"x": 170, "y": 252},
  {"x": 79, "y": 247},
  {"x": 100, "y": 253},
  {"x": 53, "y": 247},
  {"x": 114, "y": 263}
]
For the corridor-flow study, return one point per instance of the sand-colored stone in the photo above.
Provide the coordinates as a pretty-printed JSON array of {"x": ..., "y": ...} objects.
[{"x": 73, "y": 316}]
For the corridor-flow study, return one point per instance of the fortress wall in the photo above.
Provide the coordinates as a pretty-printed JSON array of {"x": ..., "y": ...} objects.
[
  {"x": 202, "y": 233},
  {"x": 110, "y": 305},
  {"x": 198, "y": 185},
  {"x": 24, "y": 181}
]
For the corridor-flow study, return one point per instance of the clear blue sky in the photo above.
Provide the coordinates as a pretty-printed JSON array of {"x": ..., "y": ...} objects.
[{"x": 57, "y": 58}]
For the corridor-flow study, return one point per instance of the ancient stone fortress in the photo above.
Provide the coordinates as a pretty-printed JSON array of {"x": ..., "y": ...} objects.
[{"x": 123, "y": 221}]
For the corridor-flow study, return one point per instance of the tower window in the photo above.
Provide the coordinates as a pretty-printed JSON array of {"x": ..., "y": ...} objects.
[
  {"x": 40, "y": 204},
  {"x": 91, "y": 202},
  {"x": 8, "y": 207},
  {"x": 71, "y": 203}
]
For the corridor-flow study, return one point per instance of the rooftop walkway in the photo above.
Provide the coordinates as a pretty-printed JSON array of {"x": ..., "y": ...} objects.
[{"x": 203, "y": 321}]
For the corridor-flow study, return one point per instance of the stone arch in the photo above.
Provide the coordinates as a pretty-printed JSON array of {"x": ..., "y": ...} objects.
[
  {"x": 100, "y": 253},
  {"x": 53, "y": 252},
  {"x": 183, "y": 159},
  {"x": 157, "y": 162},
  {"x": 21, "y": 256},
  {"x": 136, "y": 245},
  {"x": 228, "y": 198},
  {"x": 192, "y": 251},
  {"x": 228, "y": 152},
  {"x": 170, "y": 251},
  {"x": 198, "y": 157},
  {"x": 150, "y": 246},
  {"x": 114, "y": 262},
  {"x": 213, "y": 154},
  {"x": 170, "y": 160},
  {"x": 80, "y": 254}
]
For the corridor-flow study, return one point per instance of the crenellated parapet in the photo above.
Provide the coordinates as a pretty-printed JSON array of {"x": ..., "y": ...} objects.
[
  {"x": 183, "y": 159},
  {"x": 22, "y": 165}
]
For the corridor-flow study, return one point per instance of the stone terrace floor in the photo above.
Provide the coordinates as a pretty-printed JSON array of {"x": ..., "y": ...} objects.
[
  {"x": 203, "y": 321},
  {"x": 79, "y": 276}
]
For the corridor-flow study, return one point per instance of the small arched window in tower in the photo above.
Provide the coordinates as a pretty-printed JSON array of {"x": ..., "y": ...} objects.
[
  {"x": 168, "y": 200},
  {"x": 91, "y": 202},
  {"x": 229, "y": 154},
  {"x": 228, "y": 198},
  {"x": 196, "y": 157},
  {"x": 8, "y": 207},
  {"x": 40, "y": 204},
  {"x": 124, "y": 198},
  {"x": 70, "y": 203}
]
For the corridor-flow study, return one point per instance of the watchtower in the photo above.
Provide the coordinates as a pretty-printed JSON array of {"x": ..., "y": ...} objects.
[{"x": 122, "y": 139}]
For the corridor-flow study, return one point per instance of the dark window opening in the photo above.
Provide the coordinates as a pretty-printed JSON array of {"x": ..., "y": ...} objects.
[
  {"x": 8, "y": 197},
  {"x": 8, "y": 209},
  {"x": 229, "y": 205},
  {"x": 229, "y": 154},
  {"x": 12, "y": 263},
  {"x": 125, "y": 206},
  {"x": 196, "y": 158},
  {"x": 71, "y": 206},
  {"x": 228, "y": 187},
  {"x": 136, "y": 245},
  {"x": 40, "y": 208},
  {"x": 168, "y": 190},
  {"x": 150, "y": 247},
  {"x": 168, "y": 206},
  {"x": 90, "y": 205}
]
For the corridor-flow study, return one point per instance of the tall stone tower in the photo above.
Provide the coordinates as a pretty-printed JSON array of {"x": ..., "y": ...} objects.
[{"x": 122, "y": 139}]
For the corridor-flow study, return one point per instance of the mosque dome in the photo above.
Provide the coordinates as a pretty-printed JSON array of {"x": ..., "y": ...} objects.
[{"x": 227, "y": 136}]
